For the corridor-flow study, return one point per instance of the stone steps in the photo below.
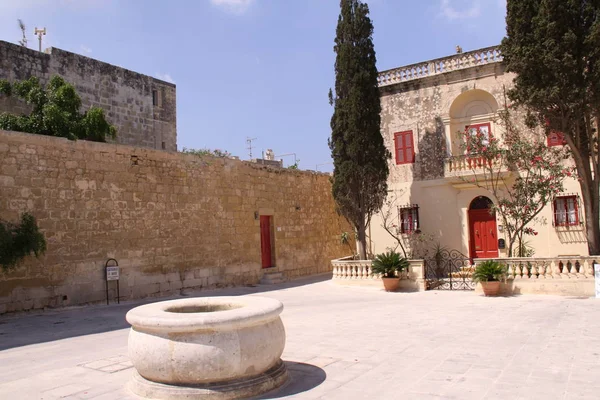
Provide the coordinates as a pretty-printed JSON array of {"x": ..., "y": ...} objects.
[{"x": 272, "y": 278}]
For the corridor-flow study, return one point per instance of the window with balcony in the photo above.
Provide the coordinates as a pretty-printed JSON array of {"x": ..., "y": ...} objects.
[
  {"x": 484, "y": 129},
  {"x": 566, "y": 210},
  {"x": 404, "y": 147},
  {"x": 409, "y": 219}
]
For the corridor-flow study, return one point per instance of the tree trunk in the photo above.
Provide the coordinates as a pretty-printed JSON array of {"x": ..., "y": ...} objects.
[
  {"x": 591, "y": 198},
  {"x": 361, "y": 240},
  {"x": 591, "y": 207}
]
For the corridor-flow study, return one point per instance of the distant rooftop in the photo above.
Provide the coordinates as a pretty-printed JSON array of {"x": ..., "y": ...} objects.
[{"x": 439, "y": 66}]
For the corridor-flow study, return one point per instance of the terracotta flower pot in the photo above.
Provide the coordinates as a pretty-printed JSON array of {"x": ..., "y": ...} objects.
[
  {"x": 491, "y": 288},
  {"x": 391, "y": 284}
]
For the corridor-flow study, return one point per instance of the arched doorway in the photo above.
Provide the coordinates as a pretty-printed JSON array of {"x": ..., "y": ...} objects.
[{"x": 483, "y": 234}]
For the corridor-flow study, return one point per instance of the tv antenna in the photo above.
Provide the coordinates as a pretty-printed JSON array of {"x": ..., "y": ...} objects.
[
  {"x": 249, "y": 145},
  {"x": 40, "y": 33}
]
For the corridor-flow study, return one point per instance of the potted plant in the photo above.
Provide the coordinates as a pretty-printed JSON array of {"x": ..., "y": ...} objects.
[
  {"x": 489, "y": 273},
  {"x": 389, "y": 265}
]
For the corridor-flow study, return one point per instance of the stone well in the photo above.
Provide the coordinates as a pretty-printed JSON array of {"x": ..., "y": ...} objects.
[{"x": 207, "y": 348}]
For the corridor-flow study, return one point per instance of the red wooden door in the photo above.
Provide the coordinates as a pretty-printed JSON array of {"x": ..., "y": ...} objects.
[
  {"x": 265, "y": 241},
  {"x": 483, "y": 234}
]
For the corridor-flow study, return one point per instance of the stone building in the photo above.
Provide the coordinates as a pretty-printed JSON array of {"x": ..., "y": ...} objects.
[
  {"x": 142, "y": 108},
  {"x": 424, "y": 106}
]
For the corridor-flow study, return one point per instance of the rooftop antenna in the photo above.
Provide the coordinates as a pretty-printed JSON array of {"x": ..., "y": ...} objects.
[
  {"x": 249, "y": 145},
  {"x": 40, "y": 33}
]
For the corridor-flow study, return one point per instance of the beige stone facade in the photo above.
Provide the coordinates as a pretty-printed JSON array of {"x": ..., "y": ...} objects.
[
  {"x": 172, "y": 221},
  {"x": 142, "y": 108},
  {"x": 434, "y": 101}
]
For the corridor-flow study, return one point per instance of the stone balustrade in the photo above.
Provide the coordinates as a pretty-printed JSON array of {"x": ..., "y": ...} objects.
[
  {"x": 459, "y": 165},
  {"x": 463, "y": 169},
  {"x": 576, "y": 267},
  {"x": 438, "y": 66},
  {"x": 565, "y": 276},
  {"x": 349, "y": 271}
]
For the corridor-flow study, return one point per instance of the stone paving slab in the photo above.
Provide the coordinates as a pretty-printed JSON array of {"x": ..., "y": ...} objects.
[{"x": 342, "y": 343}]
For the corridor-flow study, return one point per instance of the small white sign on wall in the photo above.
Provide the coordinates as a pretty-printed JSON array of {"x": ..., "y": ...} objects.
[
  {"x": 112, "y": 273},
  {"x": 597, "y": 275}
]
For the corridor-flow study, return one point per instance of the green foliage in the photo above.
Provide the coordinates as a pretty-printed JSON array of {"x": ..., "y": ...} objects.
[
  {"x": 344, "y": 238},
  {"x": 207, "y": 152},
  {"x": 387, "y": 264},
  {"x": 295, "y": 165},
  {"x": 55, "y": 111},
  {"x": 554, "y": 48},
  {"x": 360, "y": 157},
  {"x": 20, "y": 240},
  {"x": 489, "y": 271},
  {"x": 524, "y": 249}
]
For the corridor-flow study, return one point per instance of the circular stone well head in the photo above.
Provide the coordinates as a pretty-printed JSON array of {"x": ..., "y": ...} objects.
[{"x": 208, "y": 341}]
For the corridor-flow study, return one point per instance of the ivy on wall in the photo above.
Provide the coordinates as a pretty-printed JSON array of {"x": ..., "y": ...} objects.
[{"x": 20, "y": 240}]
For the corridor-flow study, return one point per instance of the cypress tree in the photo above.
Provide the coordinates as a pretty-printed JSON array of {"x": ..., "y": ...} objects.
[
  {"x": 554, "y": 48},
  {"x": 360, "y": 157}
]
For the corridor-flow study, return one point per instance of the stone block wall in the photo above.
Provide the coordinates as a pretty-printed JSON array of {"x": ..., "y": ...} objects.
[
  {"x": 172, "y": 221},
  {"x": 142, "y": 108}
]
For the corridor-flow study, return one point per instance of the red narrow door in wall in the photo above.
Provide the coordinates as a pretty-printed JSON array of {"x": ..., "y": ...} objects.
[
  {"x": 483, "y": 234},
  {"x": 265, "y": 241}
]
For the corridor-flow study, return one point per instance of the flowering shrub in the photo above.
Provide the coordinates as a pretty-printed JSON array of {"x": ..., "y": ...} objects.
[{"x": 536, "y": 173}]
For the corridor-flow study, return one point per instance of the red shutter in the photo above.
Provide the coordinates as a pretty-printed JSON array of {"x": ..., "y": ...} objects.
[
  {"x": 398, "y": 140},
  {"x": 404, "y": 147},
  {"x": 408, "y": 147}
]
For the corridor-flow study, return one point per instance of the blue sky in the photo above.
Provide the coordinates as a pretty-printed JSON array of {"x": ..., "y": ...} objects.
[{"x": 251, "y": 68}]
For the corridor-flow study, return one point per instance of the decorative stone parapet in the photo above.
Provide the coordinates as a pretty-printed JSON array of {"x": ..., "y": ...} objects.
[
  {"x": 358, "y": 272},
  {"x": 438, "y": 66},
  {"x": 576, "y": 267},
  {"x": 566, "y": 276}
]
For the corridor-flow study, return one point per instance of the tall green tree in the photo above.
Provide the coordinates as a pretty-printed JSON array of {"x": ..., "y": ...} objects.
[
  {"x": 360, "y": 157},
  {"x": 54, "y": 111},
  {"x": 554, "y": 48}
]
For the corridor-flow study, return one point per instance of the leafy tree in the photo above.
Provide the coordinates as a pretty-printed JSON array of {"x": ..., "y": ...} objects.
[
  {"x": 554, "y": 48},
  {"x": 360, "y": 157},
  {"x": 20, "y": 240},
  {"x": 54, "y": 111},
  {"x": 520, "y": 171}
]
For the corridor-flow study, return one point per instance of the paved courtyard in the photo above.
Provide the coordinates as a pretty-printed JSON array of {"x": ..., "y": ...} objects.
[{"x": 342, "y": 343}]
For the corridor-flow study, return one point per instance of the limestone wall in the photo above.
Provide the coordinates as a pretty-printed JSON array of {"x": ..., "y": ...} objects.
[
  {"x": 126, "y": 96},
  {"x": 172, "y": 221}
]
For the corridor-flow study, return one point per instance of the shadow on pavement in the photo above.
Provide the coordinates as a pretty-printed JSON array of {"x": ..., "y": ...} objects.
[
  {"x": 303, "y": 377},
  {"x": 34, "y": 327}
]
